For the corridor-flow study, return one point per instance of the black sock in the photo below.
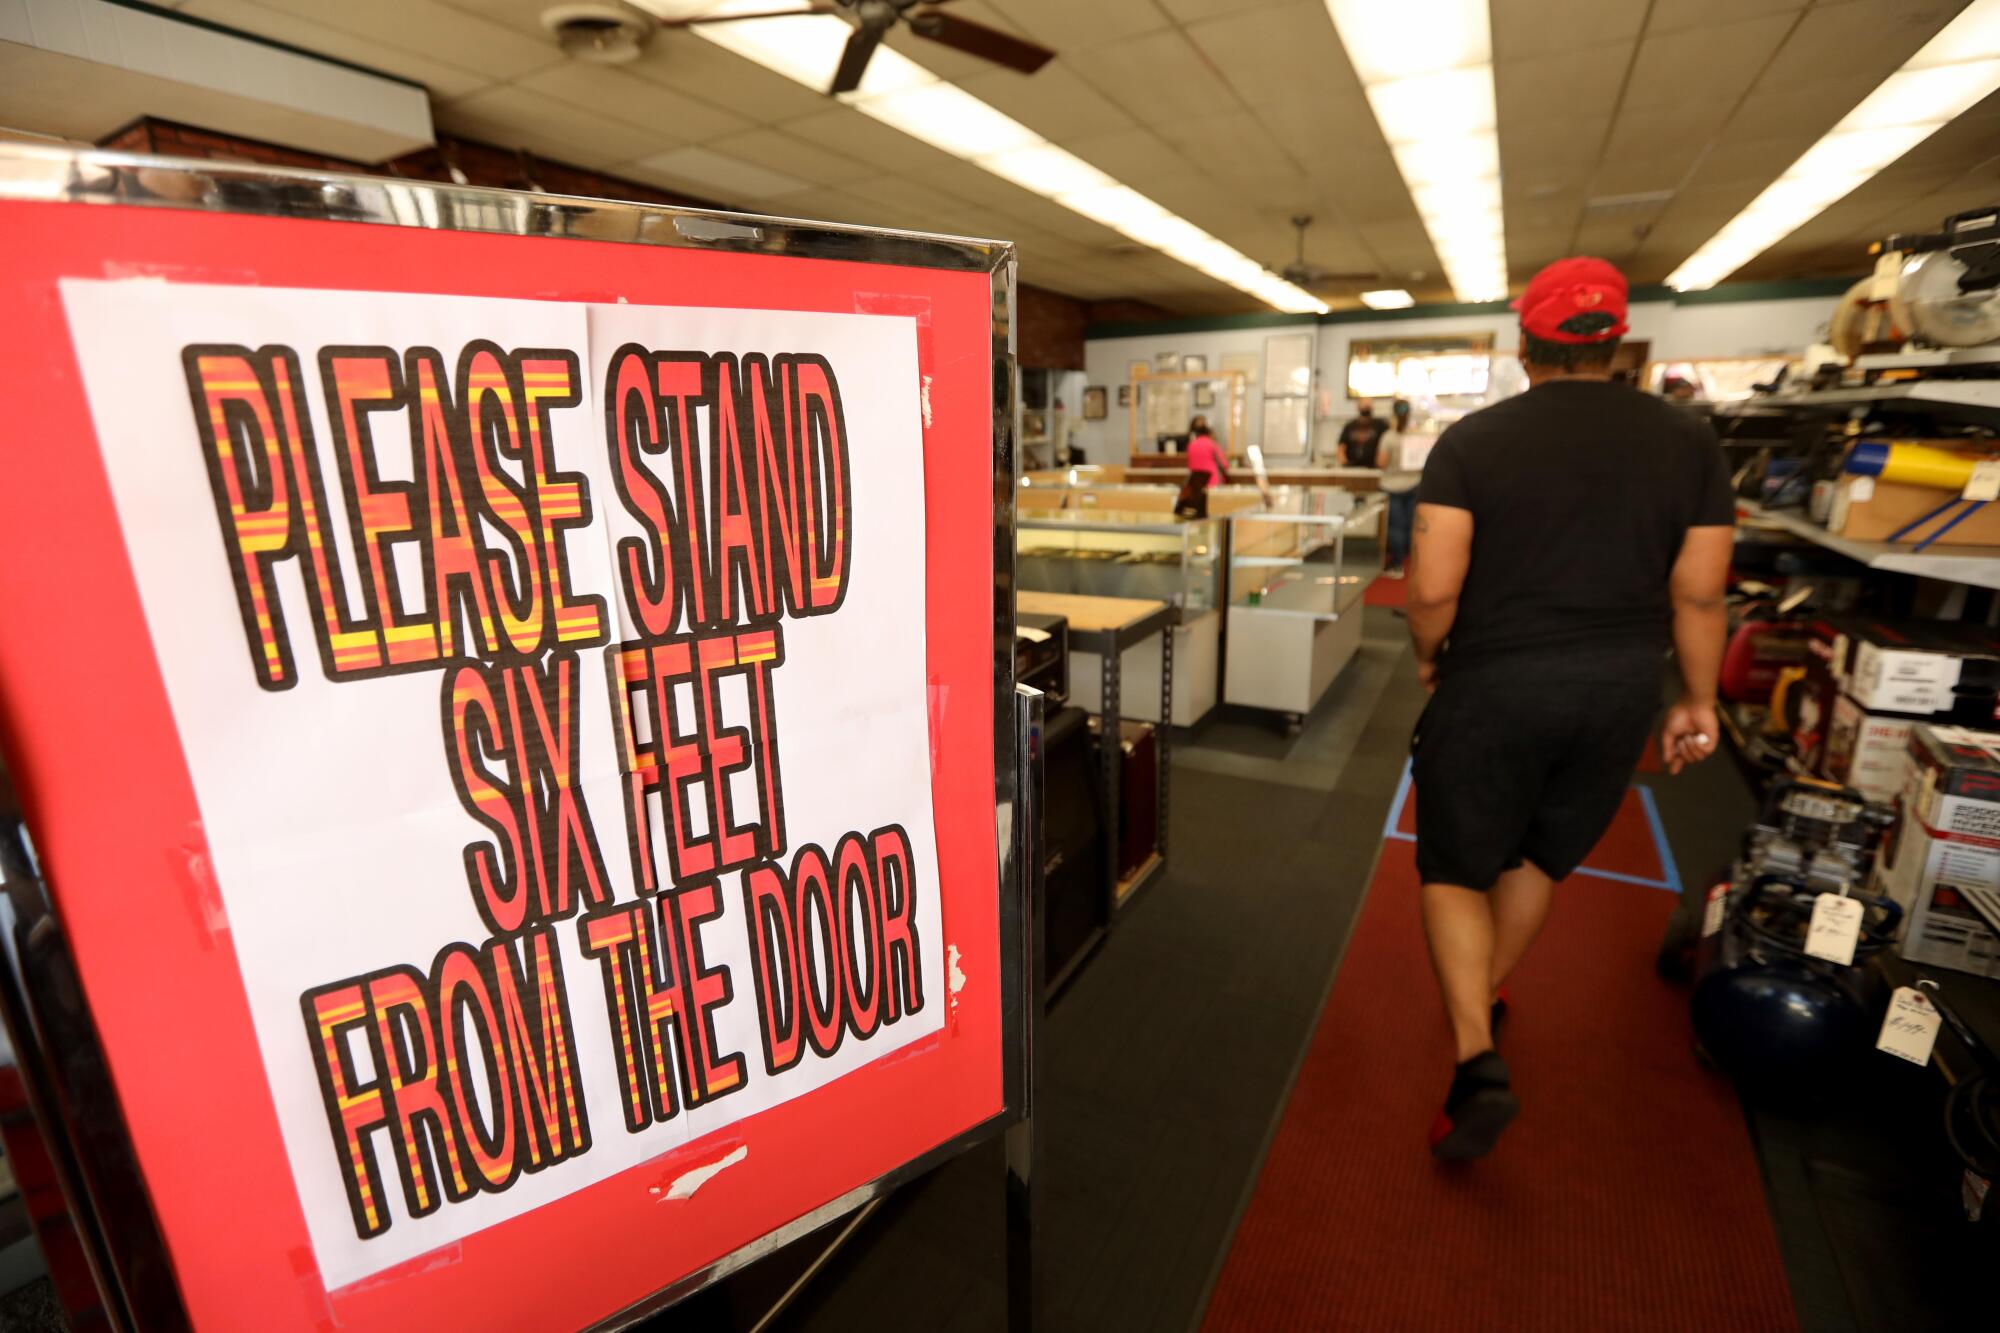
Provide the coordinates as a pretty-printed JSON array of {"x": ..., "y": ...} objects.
[{"x": 1482, "y": 1071}]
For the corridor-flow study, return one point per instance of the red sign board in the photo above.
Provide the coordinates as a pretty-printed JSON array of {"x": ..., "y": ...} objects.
[{"x": 509, "y": 722}]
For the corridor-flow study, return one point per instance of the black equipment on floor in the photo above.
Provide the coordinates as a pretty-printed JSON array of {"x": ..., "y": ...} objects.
[
  {"x": 1072, "y": 841},
  {"x": 1041, "y": 654},
  {"x": 1775, "y": 1018},
  {"x": 1138, "y": 796}
]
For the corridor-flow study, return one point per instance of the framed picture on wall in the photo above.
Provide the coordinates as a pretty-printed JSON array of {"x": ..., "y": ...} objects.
[
  {"x": 1194, "y": 365},
  {"x": 1124, "y": 395},
  {"x": 1093, "y": 403},
  {"x": 1166, "y": 362},
  {"x": 1204, "y": 395}
]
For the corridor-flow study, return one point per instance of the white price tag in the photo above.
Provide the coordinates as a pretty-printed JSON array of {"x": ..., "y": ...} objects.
[
  {"x": 1718, "y": 907},
  {"x": 1861, "y": 490},
  {"x": 1835, "y": 929},
  {"x": 1985, "y": 482},
  {"x": 1910, "y": 1028}
]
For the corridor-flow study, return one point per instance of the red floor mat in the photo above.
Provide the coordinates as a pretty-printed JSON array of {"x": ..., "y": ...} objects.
[
  {"x": 1626, "y": 1196},
  {"x": 1385, "y": 591}
]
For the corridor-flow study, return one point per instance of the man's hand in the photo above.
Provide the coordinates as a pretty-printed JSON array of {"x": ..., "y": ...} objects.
[
  {"x": 1689, "y": 735},
  {"x": 1427, "y": 675}
]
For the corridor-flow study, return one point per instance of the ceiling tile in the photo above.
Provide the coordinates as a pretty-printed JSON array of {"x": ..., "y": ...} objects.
[
  {"x": 1230, "y": 145},
  {"x": 706, "y": 171},
  {"x": 429, "y": 28},
  {"x": 1542, "y": 27},
  {"x": 1547, "y": 154},
  {"x": 1130, "y": 155},
  {"x": 518, "y": 117},
  {"x": 795, "y": 157},
  {"x": 1861, "y": 40},
  {"x": 441, "y": 77},
  {"x": 1189, "y": 11},
  {"x": 1734, "y": 160},
  {"x": 619, "y": 96},
  {"x": 701, "y": 69},
  {"x": 1072, "y": 25},
  {"x": 1158, "y": 77},
  {"x": 1714, "y": 66},
  {"x": 1580, "y": 87},
  {"x": 1056, "y": 101},
  {"x": 1678, "y": 15},
  {"x": 1272, "y": 54},
  {"x": 854, "y": 135}
]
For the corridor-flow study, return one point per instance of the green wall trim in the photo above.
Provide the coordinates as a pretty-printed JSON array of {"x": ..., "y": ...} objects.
[
  {"x": 1139, "y": 328},
  {"x": 1790, "y": 290}
]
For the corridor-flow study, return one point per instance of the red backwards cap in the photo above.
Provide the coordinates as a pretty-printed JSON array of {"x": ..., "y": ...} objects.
[{"x": 1570, "y": 287}]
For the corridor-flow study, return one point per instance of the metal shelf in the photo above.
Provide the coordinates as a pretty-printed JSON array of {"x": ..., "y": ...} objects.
[
  {"x": 1977, "y": 566},
  {"x": 1959, "y": 394}
]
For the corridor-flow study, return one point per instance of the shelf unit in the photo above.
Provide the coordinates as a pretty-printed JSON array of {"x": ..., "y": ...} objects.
[
  {"x": 1975, "y": 566},
  {"x": 1107, "y": 626},
  {"x": 1977, "y": 398}
]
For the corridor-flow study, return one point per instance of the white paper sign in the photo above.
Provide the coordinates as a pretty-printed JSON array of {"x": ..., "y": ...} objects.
[
  {"x": 1984, "y": 484},
  {"x": 1835, "y": 928},
  {"x": 400, "y": 825},
  {"x": 1910, "y": 1028}
]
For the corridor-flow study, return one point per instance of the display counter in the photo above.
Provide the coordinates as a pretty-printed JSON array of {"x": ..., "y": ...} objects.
[
  {"x": 1107, "y": 554},
  {"x": 1294, "y": 608},
  {"x": 1361, "y": 480}
]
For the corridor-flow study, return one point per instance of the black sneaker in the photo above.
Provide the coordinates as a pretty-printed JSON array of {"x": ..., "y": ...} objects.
[
  {"x": 1480, "y": 1105},
  {"x": 1499, "y": 1015}
]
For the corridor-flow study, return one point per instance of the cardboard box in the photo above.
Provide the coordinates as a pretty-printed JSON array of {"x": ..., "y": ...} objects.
[
  {"x": 1869, "y": 752},
  {"x": 1953, "y": 783},
  {"x": 1868, "y": 510},
  {"x": 1939, "y": 928}
]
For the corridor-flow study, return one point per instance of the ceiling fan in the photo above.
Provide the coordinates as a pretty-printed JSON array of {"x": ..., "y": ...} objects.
[
  {"x": 872, "y": 20},
  {"x": 1301, "y": 274}
]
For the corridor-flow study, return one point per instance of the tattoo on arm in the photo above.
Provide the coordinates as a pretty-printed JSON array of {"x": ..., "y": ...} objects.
[{"x": 1423, "y": 523}]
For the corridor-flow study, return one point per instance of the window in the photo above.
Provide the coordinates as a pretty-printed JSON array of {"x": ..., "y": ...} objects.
[{"x": 1420, "y": 368}]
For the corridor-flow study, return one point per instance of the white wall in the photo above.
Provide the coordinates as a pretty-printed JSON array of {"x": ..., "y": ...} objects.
[
  {"x": 1706, "y": 329},
  {"x": 1107, "y": 360}
]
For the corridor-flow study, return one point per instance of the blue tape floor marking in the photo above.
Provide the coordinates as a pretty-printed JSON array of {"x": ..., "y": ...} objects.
[
  {"x": 1667, "y": 866},
  {"x": 1672, "y": 882},
  {"x": 1396, "y": 807}
]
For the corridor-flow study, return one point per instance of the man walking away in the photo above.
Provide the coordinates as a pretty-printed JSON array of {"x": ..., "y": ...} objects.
[{"x": 1564, "y": 538}]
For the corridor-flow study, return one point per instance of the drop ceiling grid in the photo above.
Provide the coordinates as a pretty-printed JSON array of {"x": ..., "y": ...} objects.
[{"x": 1234, "y": 112}]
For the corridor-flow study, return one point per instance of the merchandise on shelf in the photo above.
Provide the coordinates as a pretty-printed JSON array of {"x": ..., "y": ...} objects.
[
  {"x": 1868, "y": 680},
  {"x": 1948, "y": 840}
]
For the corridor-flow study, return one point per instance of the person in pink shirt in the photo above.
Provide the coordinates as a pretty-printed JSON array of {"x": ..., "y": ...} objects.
[{"x": 1204, "y": 455}]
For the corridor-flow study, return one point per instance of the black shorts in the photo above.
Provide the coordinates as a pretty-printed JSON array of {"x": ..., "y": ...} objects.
[{"x": 1526, "y": 761}]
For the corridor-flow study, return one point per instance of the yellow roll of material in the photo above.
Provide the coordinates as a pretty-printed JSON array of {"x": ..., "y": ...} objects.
[{"x": 1915, "y": 464}]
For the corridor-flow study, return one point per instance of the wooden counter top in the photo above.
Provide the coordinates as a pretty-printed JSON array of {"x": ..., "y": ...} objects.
[{"x": 1088, "y": 615}]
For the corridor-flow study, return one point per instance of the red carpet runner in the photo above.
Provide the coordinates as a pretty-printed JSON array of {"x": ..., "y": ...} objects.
[{"x": 1626, "y": 1196}]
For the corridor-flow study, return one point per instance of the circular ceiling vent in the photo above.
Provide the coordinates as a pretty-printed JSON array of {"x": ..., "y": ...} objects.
[{"x": 605, "y": 32}]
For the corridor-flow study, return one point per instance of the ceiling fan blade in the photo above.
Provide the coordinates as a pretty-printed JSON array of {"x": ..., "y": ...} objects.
[
  {"x": 854, "y": 59},
  {"x": 976, "y": 39},
  {"x": 785, "y": 13}
]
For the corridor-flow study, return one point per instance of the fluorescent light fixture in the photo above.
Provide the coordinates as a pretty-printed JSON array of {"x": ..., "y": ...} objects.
[
  {"x": 1955, "y": 71},
  {"x": 1427, "y": 67},
  {"x": 901, "y": 93},
  {"x": 1394, "y": 298}
]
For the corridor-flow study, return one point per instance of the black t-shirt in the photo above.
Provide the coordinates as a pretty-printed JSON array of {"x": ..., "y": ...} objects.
[
  {"x": 1581, "y": 492},
  {"x": 1360, "y": 438}
]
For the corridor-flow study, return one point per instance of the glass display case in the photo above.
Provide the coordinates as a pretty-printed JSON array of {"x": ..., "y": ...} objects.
[
  {"x": 1114, "y": 553},
  {"x": 1152, "y": 556},
  {"x": 1294, "y": 605}
]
